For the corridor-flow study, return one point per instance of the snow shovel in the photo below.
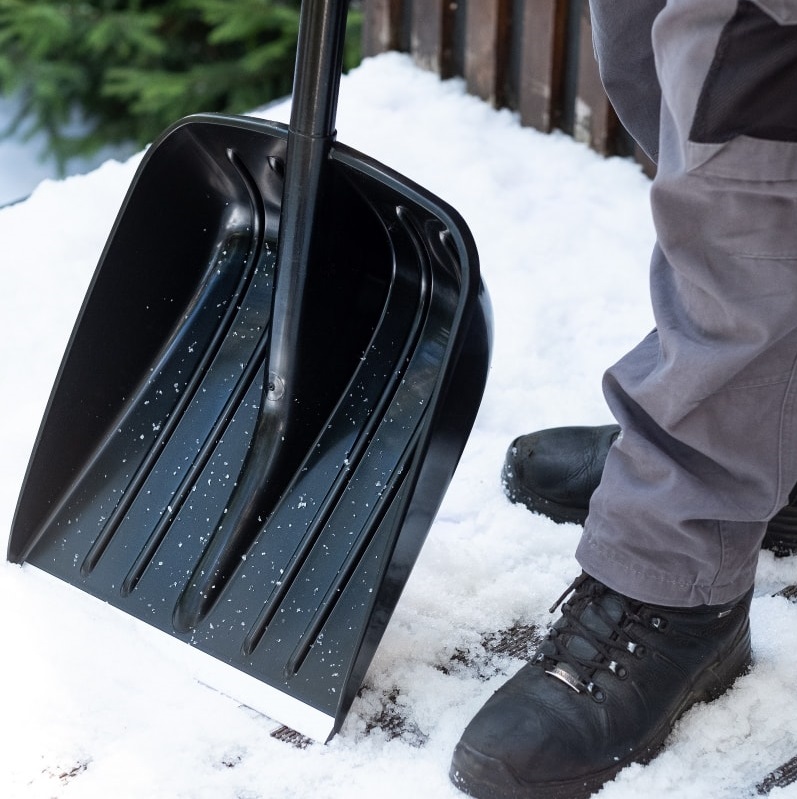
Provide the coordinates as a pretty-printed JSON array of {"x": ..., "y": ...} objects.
[{"x": 264, "y": 398}]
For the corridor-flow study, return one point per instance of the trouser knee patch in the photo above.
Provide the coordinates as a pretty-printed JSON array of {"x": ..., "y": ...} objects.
[{"x": 751, "y": 87}]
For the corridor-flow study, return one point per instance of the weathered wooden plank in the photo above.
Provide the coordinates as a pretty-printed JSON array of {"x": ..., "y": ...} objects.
[
  {"x": 487, "y": 49},
  {"x": 381, "y": 26},
  {"x": 432, "y": 35},
  {"x": 542, "y": 58}
]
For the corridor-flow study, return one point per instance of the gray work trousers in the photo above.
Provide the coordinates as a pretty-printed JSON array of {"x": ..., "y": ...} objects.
[{"x": 706, "y": 402}]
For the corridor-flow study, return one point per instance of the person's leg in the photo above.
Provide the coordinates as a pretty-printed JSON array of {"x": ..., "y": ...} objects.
[
  {"x": 706, "y": 407},
  {"x": 708, "y": 450}
]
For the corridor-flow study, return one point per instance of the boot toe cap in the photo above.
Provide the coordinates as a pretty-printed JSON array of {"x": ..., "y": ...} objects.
[{"x": 555, "y": 471}]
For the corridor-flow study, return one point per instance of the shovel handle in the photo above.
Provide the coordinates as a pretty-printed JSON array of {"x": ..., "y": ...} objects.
[{"x": 319, "y": 61}]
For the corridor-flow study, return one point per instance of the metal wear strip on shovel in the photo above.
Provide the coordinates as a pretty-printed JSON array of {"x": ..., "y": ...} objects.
[{"x": 264, "y": 398}]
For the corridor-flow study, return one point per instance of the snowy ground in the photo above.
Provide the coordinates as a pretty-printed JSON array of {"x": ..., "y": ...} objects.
[{"x": 94, "y": 707}]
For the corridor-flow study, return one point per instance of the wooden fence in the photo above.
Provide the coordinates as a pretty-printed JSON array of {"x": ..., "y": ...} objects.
[{"x": 533, "y": 56}]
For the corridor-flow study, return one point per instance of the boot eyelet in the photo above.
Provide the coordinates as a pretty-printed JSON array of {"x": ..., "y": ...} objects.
[
  {"x": 596, "y": 693},
  {"x": 636, "y": 649},
  {"x": 620, "y": 671}
]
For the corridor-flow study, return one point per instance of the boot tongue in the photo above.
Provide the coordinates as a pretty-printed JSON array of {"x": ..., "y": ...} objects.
[{"x": 594, "y": 621}]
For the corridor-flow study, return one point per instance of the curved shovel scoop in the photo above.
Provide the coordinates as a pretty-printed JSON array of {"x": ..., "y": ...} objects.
[{"x": 264, "y": 398}]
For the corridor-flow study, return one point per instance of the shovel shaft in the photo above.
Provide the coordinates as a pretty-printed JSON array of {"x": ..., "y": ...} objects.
[
  {"x": 315, "y": 94},
  {"x": 319, "y": 61},
  {"x": 312, "y": 129}
]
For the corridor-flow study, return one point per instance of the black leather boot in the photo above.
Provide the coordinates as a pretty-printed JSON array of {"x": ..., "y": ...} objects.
[
  {"x": 555, "y": 472},
  {"x": 603, "y": 691}
]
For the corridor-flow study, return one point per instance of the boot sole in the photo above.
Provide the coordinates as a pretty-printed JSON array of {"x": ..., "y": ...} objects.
[{"x": 488, "y": 778}]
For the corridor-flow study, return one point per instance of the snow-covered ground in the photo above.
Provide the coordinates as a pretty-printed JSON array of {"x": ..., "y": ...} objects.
[{"x": 94, "y": 707}]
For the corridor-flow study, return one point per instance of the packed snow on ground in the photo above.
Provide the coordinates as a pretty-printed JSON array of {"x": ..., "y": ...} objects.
[{"x": 94, "y": 707}]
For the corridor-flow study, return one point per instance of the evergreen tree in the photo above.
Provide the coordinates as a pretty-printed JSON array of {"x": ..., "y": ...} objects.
[{"x": 129, "y": 68}]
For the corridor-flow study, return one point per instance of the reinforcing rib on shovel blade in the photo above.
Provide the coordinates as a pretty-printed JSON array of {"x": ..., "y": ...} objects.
[{"x": 266, "y": 393}]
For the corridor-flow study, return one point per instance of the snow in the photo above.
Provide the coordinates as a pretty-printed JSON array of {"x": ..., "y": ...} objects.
[{"x": 94, "y": 705}]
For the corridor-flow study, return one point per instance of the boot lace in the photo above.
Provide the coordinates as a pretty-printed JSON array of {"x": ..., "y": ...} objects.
[{"x": 606, "y": 642}]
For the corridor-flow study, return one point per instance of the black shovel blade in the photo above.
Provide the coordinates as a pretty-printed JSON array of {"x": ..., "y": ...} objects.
[{"x": 153, "y": 419}]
